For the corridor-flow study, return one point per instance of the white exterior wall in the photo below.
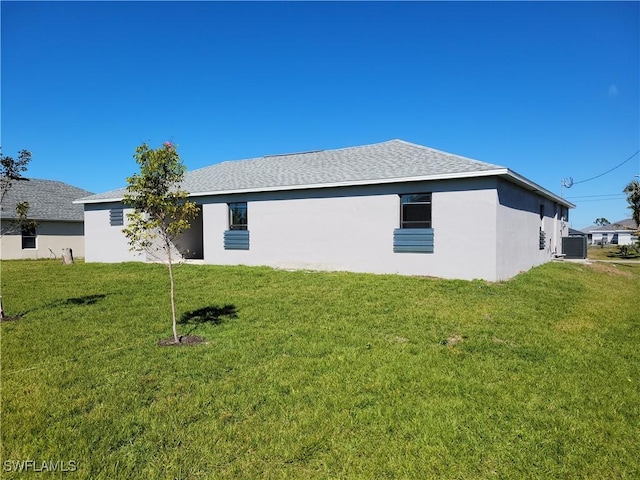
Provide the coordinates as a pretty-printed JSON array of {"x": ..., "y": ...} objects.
[
  {"x": 352, "y": 229},
  {"x": 518, "y": 230},
  {"x": 51, "y": 238},
  {"x": 104, "y": 243},
  {"x": 624, "y": 238},
  {"x": 484, "y": 228}
]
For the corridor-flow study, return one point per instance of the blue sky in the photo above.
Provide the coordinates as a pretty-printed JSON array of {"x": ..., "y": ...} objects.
[{"x": 548, "y": 89}]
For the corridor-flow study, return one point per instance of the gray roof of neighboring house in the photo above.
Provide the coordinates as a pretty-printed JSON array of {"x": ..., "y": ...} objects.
[
  {"x": 619, "y": 226},
  {"x": 394, "y": 160},
  {"x": 48, "y": 200}
]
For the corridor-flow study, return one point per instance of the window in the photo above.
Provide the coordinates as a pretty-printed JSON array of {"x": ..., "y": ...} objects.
[
  {"x": 238, "y": 216},
  {"x": 116, "y": 217},
  {"x": 542, "y": 239},
  {"x": 542, "y": 236},
  {"x": 415, "y": 234},
  {"x": 237, "y": 237},
  {"x": 415, "y": 210},
  {"x": 28, "y": 236}
]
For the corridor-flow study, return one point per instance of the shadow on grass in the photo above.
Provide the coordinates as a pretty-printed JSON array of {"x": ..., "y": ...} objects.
[
  {"x": 211, "y": 314},
  {"x": 86, "y": 300}
]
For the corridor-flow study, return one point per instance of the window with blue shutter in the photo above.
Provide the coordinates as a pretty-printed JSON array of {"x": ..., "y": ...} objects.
[
  {"x": 415, "y": 234},
  {"x": 237, "y": 237}
]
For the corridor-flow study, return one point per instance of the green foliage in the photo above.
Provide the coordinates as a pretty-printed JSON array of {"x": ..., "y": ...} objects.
[
  {"x": 161, "y": 211},
  {"x": 323, "y": 375},
  {"x": 601, "y": 222},
  {"x": 12, "y": 169},
  {"x": 633, "y": 197}
]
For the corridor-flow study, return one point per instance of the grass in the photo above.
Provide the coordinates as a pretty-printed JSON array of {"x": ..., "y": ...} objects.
[
  {"x": 322, "y": 375},
  {"x": 611, "y": 252}
]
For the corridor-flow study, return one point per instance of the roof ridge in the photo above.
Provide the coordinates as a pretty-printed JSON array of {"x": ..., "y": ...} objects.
[
  {"x": 35, "y": 179},
  {"x": 303, "y": 152},
  {"x": 463, "y": 157}
]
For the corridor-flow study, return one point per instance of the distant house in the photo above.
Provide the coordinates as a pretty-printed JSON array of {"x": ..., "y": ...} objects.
[
  {"x": 576, "y": 233},
  {"x": 622, "y": 232},
  {"x": 392, "y": 207},
  {"x": 59, "y": 222}
]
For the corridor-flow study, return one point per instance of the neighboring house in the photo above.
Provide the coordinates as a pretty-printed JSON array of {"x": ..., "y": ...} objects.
[
  {"x": 576, "y": 233},
  {"x": 392, "y": 207},
  {"x": 622, "y": 232},
  {"x": 59, "y": 223}
]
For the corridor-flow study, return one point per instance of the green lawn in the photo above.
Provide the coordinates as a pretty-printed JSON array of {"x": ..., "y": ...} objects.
[
  {"x": 321, "y": 375},
  {"x": 610, "y": 252}
]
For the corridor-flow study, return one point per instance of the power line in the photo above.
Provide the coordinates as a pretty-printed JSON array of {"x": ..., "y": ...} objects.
[
  {"x": 598, "y": 200},
  {"x": 598, "y": 196},
  {"x": 608, "y": 171}
]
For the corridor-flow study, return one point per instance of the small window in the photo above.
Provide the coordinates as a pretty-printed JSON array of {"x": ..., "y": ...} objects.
[
  {"x": 116, "y": 217},
  {"x": 238, "y": 216},
  {"x": 28, "y": 237},
  {"x": 415, "y": 210}
]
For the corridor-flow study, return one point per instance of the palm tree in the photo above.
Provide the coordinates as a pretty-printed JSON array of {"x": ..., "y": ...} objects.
[{"x": 633, "y": 197}]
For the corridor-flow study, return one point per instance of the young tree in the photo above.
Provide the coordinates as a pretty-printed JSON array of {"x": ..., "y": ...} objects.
[
  {"x": 633, "y": 197},
  {"x": 11, "y": 169},
  {"x": 161, "y": 211}
]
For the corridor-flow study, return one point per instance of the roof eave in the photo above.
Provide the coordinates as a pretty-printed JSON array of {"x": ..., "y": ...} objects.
[
  {"x": 84, "y": 201},
  {"x": 502, "y": 172},
  {"x": 534, "y": 187}
]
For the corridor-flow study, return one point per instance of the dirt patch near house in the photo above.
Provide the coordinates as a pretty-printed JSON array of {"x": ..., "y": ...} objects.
[
  {"x": 184, "y": 341},
  {"x": 609, "y": 269}
]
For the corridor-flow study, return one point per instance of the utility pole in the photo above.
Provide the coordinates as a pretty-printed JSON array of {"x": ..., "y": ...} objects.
[{"x": 566, "y": 183}]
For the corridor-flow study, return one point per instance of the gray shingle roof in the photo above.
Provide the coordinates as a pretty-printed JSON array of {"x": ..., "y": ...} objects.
[
  {"x": 48, "y": 200},
  {"x": 619, "y": 226},
  {"x": 395, "y": 159}
]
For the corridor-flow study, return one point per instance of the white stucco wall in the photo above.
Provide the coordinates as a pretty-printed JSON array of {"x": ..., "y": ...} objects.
[
  {"x": 483, "y": 228},
  {"x": 51, "y": 238},
  {"x": 352, "y": 229},
  {"x": 518, "y": 229},
  {"x": 103, "y": 242}
]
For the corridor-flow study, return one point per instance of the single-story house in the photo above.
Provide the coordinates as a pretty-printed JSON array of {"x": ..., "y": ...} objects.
[
  {"x": 622, "y": 232},
  {"x": 576, "y": 233},
  {"x": 391, "y": 207},
  {"x": 59, "y": 222}
]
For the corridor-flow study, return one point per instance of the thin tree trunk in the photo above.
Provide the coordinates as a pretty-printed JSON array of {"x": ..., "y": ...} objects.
[{"x": 173, "y": 300}]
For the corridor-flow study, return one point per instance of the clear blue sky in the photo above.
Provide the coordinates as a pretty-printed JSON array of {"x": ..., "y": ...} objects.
[{"x": 550, "y": 90}]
